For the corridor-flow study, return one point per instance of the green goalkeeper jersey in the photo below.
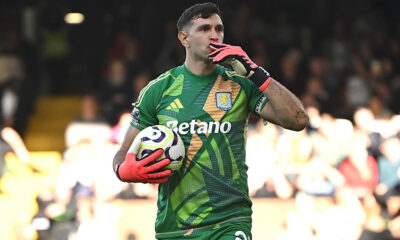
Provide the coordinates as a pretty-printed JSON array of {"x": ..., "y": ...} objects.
[{"x": 210, "y": 113}]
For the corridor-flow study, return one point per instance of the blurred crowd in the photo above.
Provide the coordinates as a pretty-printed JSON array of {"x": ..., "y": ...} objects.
[
  {"x": 340, "y": 173},
  {"x": 343, "y": 171}
]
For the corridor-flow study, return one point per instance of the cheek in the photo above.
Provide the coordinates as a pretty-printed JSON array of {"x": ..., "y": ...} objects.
[{"x": 195, "y": 42}]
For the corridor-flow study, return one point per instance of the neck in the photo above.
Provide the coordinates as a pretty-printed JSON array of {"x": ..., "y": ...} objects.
[{"x": 199, "y": 67}]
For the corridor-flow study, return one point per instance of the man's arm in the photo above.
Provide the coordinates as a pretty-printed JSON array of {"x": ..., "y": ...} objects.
[
  {"x": 126, "y": 144},
  {"x": 283, "y": 108}
]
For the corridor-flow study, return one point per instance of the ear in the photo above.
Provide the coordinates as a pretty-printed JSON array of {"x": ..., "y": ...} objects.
[{"x": 182, "y": 36}]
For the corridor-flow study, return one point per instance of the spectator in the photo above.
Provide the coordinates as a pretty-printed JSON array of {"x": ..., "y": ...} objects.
[
  {"x": 118, "y": 130},
  {"x": 10, "y": 141},
  {"x": 315, "y": 95},
  {"x": 89, "y": 110},
  {"x": 12, "y": 75},
  {"x": 140, "y": 81},
  {"x": 330, "y": 142},
  {"x": 364, "y": 121},
  {"x": 320, "y": 83},
  {"x": 395, "y": 125},
  {"x": 290, "y": 71},
  {"x": 89, "y": 125},
  {"x": 389, "y": 170},
  {"x": 132, "y": 58},
  {"x": 360, "y": 169},
  {"x": 378, "y": 108},
  {"x": 54, "y": 49},
  {"x": 114, "y": 91},
  {"x": 268, "y": 180},
  {"x": 317, "y": 218},
  {"x": 319, "y": 178},
  {"x": 294, "y": 151}
]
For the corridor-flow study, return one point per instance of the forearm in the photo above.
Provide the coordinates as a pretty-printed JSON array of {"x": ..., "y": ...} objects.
[
  {"x": 286, "y": 108},
  {"x": 130, "y": 134},
  {"x": 119, "y": 157},
  {"x": 283, "y": 108}
]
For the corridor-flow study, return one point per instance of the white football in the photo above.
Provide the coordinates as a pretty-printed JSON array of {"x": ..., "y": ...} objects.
[{"x": 159, "y": 136}]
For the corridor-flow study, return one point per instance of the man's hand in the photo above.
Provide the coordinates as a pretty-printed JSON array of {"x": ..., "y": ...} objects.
[
  {"x": 144, "y": 170},
  {"x": 240, "y": 62}
]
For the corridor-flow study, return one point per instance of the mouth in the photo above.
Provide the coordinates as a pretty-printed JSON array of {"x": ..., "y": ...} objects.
[{"x": 210, "y": 49}]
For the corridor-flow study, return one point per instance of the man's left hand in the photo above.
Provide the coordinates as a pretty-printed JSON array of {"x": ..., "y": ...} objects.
[
  {"x": 234, "y": 56},
  {"x": 240, "y": 62}
]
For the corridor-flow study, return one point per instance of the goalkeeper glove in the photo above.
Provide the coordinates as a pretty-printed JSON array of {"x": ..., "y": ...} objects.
[
  {"x": 143, "y": 170},
  {"x": 241, "y": 63}
]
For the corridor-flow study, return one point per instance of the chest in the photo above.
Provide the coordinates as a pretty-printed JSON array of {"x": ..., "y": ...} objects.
[{"x": 209, "y": 102}]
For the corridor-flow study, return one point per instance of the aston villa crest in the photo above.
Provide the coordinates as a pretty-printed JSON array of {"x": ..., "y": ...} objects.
[{"x": 224, "y": 100}]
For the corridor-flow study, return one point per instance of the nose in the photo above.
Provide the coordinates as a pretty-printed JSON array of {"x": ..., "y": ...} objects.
[
  {"x": 214, "y": 39},
  {"x": 214, "y": 35}
]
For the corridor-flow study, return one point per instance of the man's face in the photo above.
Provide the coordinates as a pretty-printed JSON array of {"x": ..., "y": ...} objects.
[{"x": 201, "y": 33}]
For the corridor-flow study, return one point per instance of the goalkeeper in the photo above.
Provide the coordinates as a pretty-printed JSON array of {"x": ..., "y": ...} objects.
[{"x": 209, "y": 106}]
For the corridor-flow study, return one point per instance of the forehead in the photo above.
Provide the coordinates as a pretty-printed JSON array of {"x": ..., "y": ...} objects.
[{"x": 213, "y": 20}]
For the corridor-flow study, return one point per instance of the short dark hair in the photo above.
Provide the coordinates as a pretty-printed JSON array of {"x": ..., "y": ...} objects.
[{"x": 200, "y": 10}]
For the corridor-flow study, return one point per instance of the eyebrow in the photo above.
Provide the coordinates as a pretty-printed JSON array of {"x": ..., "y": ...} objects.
[{"x": 209, "y": 25}]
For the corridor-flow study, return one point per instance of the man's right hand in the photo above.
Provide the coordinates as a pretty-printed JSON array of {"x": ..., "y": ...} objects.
[{"x": 144, "y": 171}]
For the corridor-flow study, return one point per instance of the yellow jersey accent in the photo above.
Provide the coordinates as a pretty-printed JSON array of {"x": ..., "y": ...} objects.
[
  {"x": 144, "y": 90},
  {"x": 220, "y": 86},
  {"x": 175, "y": 105}
]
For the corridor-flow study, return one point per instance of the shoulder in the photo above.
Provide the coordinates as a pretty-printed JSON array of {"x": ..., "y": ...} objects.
[
  {"x": 165, "y": 78},
  {"x": 156, "y": 87},
  {"x": 160, "y": 82}
]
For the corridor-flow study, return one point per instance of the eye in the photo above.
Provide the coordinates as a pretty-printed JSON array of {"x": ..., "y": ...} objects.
[{"x": 205, "y": 28}]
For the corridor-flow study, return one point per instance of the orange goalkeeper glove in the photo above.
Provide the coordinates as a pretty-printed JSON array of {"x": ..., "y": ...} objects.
[
  {"x": 143, "y": 170},
  {"x": 241, "y": 63}
]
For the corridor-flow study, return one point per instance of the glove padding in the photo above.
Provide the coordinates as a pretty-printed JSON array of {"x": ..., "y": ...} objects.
[
  {"x": 240, "y": 62},
  {"x": 144, "y": 171}
]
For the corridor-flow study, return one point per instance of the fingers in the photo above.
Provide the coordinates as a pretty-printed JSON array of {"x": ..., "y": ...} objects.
[
  {"x": 159, "y": 180},
  {"x": 224, "y": 55},
  {"x": 228, "y": 52},
  {"x": 215, "y": 53},
  {"x": 156, "y": 154},
  {"x": 161, "y": 174},
  {"x": 158, "y": 165},
  {"x": 232, "y": 52},
  {"x": 217, "y": 45}
]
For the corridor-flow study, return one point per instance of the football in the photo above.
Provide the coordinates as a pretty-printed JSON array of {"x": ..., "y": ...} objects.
[{"x": 159, "y": 136}]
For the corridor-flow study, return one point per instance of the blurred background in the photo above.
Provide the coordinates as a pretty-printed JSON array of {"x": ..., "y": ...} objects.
[{"x": 70, "y": 70}]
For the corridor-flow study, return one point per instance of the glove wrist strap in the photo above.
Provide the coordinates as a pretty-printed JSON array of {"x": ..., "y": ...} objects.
[{"x": 261, "y": 78}]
